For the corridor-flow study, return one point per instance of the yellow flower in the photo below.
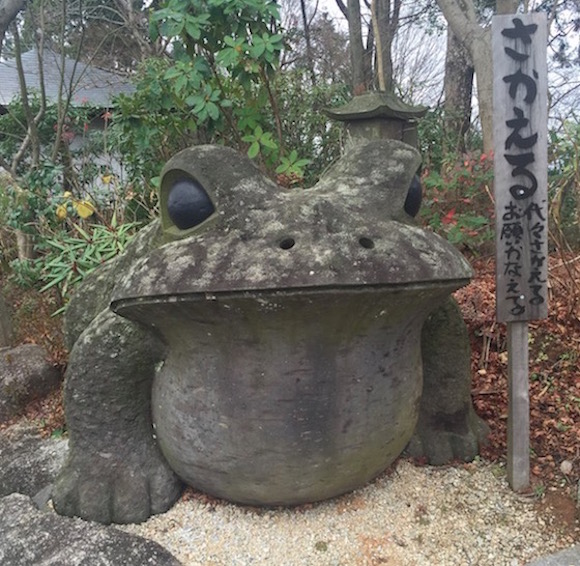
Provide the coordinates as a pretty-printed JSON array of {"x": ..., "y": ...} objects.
[
  {"x": 61, "y": 211},
  {"x": 107, "y": 179},
  {"x": 84, "y": 208}
]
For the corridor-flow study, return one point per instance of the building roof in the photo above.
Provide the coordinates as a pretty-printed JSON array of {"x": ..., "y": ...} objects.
[{"x": 89, "y": 85}]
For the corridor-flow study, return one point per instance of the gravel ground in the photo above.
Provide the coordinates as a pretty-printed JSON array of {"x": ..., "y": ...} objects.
[{"x": 420, "y": 516}]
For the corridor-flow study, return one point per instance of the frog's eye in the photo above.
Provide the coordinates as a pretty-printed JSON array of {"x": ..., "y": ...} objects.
[
  {"x": 188, "y": 204},
  {"x": 414, "y": 197}
]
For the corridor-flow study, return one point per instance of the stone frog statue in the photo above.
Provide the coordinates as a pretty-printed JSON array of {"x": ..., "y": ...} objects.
[{"x": 264, "y": 345}]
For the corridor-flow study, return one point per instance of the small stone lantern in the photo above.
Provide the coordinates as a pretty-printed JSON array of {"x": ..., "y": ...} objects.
[{"x": 378, "y": 115}]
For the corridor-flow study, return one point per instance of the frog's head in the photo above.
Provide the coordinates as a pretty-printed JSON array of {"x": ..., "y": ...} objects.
[{"x": 230, "y": 229}]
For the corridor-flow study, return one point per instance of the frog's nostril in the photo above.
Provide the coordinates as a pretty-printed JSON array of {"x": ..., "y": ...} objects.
[
  {"x": 366, "y": 243},
  {"x": 287, "y": 243}
]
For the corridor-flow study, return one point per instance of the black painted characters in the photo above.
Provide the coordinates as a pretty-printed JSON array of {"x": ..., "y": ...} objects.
[{"x": 520, "y": 177}]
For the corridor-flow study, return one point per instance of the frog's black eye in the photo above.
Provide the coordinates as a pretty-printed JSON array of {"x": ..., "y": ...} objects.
[
  {"x": 188, "y": 204},
  {"x": 414, "y": 197}
]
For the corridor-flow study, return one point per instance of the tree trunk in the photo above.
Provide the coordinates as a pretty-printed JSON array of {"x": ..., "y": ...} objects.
[
  {"x": 506, "y": 6},
  {"x": 24, "y": 245},
  {"x": 458, "y": 92},
  {"x": 309, "y": 56},
  {"x": 361, "y": 73},
  {"x": 385, "y": 17},
  {"x": 462, "y": 18},
  {"x": 483, "y": 67},
  {"x": 8, "y": 11}
]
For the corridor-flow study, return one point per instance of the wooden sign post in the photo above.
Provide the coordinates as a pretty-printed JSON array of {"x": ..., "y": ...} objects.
[{"x": 520, "y": 107}]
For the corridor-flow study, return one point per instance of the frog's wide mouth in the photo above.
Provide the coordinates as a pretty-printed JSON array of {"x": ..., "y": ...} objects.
[{"x": 130, "y": 306}]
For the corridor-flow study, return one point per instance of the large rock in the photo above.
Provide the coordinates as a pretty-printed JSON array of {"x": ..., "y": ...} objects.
[
  {"x": 568, "y": 557},
  {"x": 25, "y": 375},
  {"x": 5, "y": 324},
  {"x": 33, "y": 538},
  {"x": 29, "y": 464}
]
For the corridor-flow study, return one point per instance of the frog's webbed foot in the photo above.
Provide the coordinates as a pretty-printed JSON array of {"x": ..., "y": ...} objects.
[
  {"x": 115, "y": 471},
  {"x": 448, "y": 428},
  {"x": 443, "y": 438},
  {"x": 115, "y": 488}
]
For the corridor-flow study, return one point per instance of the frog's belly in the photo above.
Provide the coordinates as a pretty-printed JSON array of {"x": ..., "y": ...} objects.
[{"x": 282, "y": 401}]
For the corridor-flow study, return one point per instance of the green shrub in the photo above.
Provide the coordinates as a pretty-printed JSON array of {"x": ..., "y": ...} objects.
[
  {"x": 564, "y": 181},
  {"x": 68, "y": 258},
  {"x": 27, "y": 203},
  {"x": 26, "y": 273},
  {"x": 458, "y": 203}
]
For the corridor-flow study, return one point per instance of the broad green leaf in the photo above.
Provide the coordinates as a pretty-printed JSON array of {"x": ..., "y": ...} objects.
[
  {"x": 199, "y": 107},
  {"x": 180, "y": 84},
  {"x": 253, "y": 150},
  {"x": 173, "y": 73},
  {"x": 193, "y": 29},
  {"x": 203, "y": 114},
  {"x": 268, "y": 142},
  {"x": 283, "y": 167},
  {"x": 213, "y": 111},
  {"x": 257, "y": 50}
]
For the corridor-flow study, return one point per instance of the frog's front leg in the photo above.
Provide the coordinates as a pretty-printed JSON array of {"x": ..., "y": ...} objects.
[{"x": 115, "y": 471}]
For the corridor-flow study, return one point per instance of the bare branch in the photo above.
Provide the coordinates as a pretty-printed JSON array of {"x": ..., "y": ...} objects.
[{"x": 342, "y": 7}]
